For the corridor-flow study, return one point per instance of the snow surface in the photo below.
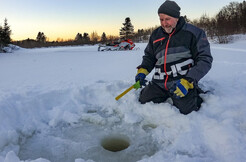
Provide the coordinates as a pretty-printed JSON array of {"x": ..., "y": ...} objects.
[{"x": 58, "y": 104}]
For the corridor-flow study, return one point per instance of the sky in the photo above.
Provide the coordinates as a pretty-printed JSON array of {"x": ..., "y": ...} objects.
[{"x": 65, "y": 18}]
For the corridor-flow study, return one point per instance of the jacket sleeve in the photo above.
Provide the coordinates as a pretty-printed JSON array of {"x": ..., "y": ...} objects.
[
  {"x": 149, "y": 59},
  {"x": 202, "y": 57}
]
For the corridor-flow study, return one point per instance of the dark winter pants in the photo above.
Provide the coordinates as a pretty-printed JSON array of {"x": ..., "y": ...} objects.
[{"x": 152, "y": 92}]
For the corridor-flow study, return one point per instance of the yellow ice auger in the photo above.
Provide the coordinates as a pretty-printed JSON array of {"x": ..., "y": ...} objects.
[{"x": 135, "y": 86}]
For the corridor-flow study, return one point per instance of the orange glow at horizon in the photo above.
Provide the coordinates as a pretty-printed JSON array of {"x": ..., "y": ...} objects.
[
  {"x": 54, "y": 35},
  {"x": 54, "y": 32}
]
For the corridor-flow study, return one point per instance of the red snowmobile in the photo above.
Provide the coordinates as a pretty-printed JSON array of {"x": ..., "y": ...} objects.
[{"x": 117, "y": 46}]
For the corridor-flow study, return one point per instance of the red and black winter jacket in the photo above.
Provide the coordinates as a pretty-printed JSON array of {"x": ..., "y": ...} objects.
[{"x": 183, "y": 53}]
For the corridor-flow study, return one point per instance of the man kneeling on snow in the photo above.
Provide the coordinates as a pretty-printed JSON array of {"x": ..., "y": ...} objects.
[{"x": 180, "y": 54}]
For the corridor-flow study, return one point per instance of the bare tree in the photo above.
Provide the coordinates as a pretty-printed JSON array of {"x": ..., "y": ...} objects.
[{"x": 94, "y": 37}]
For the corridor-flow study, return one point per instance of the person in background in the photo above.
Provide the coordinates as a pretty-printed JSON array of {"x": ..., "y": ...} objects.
[{"x": 181, "y": 56}]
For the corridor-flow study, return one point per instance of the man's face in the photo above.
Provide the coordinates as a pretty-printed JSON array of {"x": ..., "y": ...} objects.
[{"x": 168, "y": 23}]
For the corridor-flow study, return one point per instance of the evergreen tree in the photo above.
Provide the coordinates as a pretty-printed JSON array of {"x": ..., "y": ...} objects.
[
  {"x": 41, "y": 37},
  {"x": 1, "y": 37},
  {"x": 86, "y": 38},
  {"x": 5, "y": 33},
  {"x": 103, "y": 38},
  {"x": 127, "y": 31},
  {"x": 79, "y": 38}
]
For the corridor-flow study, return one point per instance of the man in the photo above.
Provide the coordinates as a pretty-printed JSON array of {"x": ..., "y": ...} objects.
[{"x": 180, "y": 54}]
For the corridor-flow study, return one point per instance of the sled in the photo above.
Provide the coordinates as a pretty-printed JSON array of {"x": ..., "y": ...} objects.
[{"x": 116, "y": 46}]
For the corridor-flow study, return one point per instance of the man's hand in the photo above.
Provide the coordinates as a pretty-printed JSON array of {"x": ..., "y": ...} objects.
[
  {"x": 141, "y": 75},
  {"x": 181, "y": 87}
]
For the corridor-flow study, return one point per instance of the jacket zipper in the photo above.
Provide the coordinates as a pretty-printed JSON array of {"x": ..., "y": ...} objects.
[{"x": 165, "y": 59}]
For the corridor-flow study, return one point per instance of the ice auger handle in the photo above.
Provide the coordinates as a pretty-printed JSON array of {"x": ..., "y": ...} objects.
[{"x": 135, "y": 86}]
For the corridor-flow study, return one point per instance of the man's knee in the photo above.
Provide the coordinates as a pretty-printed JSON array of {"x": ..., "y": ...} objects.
[
  {"x": 152, "y": 93},
  {"x": 188, "y": 104}
]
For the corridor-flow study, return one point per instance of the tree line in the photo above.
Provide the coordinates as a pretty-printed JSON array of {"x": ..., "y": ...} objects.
[
  {"x": 80, "y": 39},
  {"x": 126, "y": 32},
  {"x": 230, "y": 20}
]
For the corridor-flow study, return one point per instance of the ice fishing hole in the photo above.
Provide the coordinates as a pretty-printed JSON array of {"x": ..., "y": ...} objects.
[{"x": 115, "y": 143}]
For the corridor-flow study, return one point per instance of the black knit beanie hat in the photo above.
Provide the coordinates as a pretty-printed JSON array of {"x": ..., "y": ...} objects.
[{"x": 170, "y": 8}]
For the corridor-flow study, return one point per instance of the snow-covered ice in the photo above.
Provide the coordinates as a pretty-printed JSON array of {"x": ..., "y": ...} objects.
[{"x": 58, "y": 104}]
